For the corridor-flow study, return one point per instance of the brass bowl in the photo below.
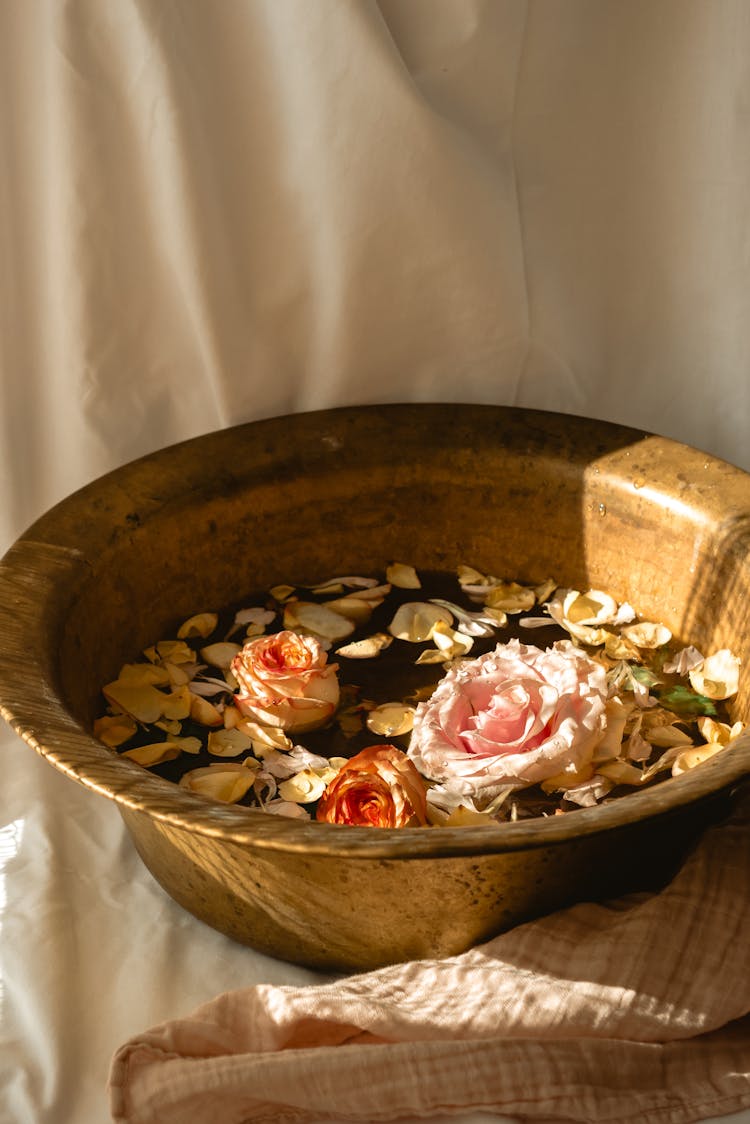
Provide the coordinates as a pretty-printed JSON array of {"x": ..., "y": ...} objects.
[{"x": 514, "y": 492}]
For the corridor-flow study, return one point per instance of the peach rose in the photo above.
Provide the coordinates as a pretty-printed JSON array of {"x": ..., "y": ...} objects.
[
  {"x": 285, "y": 681},
  {"x": 513, "y": 717},
  {"x": 379, "y": 787}
]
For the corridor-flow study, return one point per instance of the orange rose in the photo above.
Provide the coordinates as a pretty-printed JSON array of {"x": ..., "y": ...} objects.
[
  {"x": 285, "y": 681},
  {"x": 379, "y": 787}
]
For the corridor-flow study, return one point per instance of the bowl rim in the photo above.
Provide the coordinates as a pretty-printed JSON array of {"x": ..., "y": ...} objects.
[{"x": 48, "y": 728}]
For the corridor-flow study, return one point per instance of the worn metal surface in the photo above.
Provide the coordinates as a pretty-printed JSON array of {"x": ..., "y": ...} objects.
[{"x": 517, "y": 493}]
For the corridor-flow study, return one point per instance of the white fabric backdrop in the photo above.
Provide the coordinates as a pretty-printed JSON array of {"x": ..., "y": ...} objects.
[{"x": 217, "y": 211}]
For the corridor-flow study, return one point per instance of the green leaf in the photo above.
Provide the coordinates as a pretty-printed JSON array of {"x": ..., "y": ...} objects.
[
  {"x": 682, "y": 700},
  {"x": 644, "y": 675}
]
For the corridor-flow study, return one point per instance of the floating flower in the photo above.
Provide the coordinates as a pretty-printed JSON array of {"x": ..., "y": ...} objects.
[
  {"x": 379, "y": 787},
  {"x": 285, "y": 680},
  {"x": 585, "y": 615},
  {"x": 718, "y": 676},
  {"x": 516, "y": 715}
]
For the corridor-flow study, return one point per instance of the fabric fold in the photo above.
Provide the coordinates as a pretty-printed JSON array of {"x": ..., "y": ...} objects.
[{"x": 628, "y": 1010}]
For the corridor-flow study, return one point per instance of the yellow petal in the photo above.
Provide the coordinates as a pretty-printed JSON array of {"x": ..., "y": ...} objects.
[
  {"x": 201, "y": 625},
  {"x": 367, "y": 648},
  {"x": 145, "y": 704},
  {"x": 511, "y": 598},
  {"x": 228, "y": 743},
  {"x": 403, "y": 576},
  {"x": 718, "y": 676},
  {"x": 391, "y": 719},
  {"x": 696, "y": 755},
  {"x": 303, "y": 788},
  {"x": 318, "y": 619},
  {"x": 143, "y": 675},
  {"x": 226, "y": 782},
  {"x": 415, "y": 620},
  {"x": 220, "y": 655},
  {"x": 647, "y": 634},
  {"x": 153, "y": 754},
  {"x": 115, "y": 730},
  {"x": 176, "y": 651},
  {"x": 204, "y": 712}
]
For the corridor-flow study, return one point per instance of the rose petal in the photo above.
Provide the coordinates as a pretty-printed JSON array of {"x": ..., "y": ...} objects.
[
  {"x": 390, "y": 720},
  {"x": 317, "y": 619},
  {"x": 114, "y": 730},
  {"x": 414, "y": 621},
  {"x": 201, "y": 625},
  {"x": 228, "y": 743},
  {"x": 226, "y": 782},
  {"x": 718, "y": 676},
  {"x": 153, "y": 754},
  {"x": 367, "y": 648},
  {"x": 220, "y": 655},
  {"x": 403, "y": 576}
]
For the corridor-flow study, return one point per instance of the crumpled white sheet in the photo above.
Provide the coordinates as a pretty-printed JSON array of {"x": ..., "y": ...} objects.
[{"x": 216, "y": 212}]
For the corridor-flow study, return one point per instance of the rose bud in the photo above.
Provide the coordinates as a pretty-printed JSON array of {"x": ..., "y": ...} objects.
[
  {"x": 379, "y": 787},
  {"x": 285, "y": 681}
]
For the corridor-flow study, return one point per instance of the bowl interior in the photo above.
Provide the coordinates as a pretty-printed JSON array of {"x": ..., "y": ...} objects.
[{"x": 520, "y": 494}]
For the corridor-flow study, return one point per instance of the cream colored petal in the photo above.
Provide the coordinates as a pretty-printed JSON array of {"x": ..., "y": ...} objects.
[
  {"x": 467, "y": 575},
  {"x": 188, "y": 745},
  {"x": 511, "y": 598},
  {"x": 647, "y": 634},
  {"x": 720, "y": 732},
  {"x": 684, "y": 661},
  {"x": 403, "y": 576},
  {"x": 353, "y": 608},
  {"x": 621, "y": 772},
  {"x": 226, "y": 782},
  {"x": 317, "y": 619},
  {"x": 349, "y": 581},
  {"x": 718, "y": 676},
  {"x": 415, "y": 620},
  {"x": 389, "y": 720},
  {"x": 544, "y": 591},
  {"x": 302, "y": 788},
  {"x": 220, "y": 655},
  {"x": 199, "y": 626},
  {"x": 367, "y": 648},
  {"x": 271, "y": 737},
  {"x": 228, "y": 743},
  {"x": 619, "y": 647},
  {"x": 591, "y": 608},
  {"x": 696, "y": 755}
]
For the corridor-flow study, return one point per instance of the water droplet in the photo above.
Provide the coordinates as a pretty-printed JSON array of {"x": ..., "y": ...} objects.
[
  {"x": 706, "y": 465},
  {"x": 638, "y": 482},
  {"x": 596, "y": 471},
  {"x": 602, "y": 509}
]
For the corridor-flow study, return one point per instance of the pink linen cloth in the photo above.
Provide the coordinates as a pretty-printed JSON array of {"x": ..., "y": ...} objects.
[{"x": 633, "y": 1010}]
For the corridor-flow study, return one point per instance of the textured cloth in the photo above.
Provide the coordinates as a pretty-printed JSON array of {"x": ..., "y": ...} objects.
[{"x": 630, "y": 1010}]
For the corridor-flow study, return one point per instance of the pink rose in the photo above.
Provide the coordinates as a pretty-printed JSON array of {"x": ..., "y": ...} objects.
[
  {"x": 284, "y": 680},
  {"x": 514, "y": 716},
  {"x": 378, "y": 787}
]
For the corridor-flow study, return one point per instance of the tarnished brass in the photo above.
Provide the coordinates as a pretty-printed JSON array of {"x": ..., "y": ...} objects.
[{"x": 517, "y": 493}]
